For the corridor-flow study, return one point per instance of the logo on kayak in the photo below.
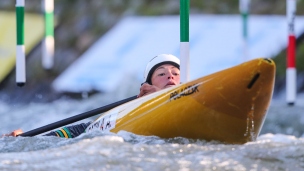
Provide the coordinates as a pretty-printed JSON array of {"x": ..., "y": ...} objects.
[
  {"x": 105, "y": 123},
  {"x": 184, "y": 92}
]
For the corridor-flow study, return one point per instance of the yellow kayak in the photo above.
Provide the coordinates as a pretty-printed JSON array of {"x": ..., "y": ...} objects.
[{"x": 229, "y": 106}]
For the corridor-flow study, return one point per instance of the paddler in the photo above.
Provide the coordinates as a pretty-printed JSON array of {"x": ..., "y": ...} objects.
[{"x": 161, "y": 72}]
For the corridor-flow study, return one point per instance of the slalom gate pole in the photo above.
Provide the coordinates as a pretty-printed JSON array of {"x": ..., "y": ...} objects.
[
  {"x": 184, "y": 40},
  {"x": 48, "y": 42},
  {"x": 244, "y": 10},
  {"x": 20, "y": 49},
  {"x": 291, "y": 72}
]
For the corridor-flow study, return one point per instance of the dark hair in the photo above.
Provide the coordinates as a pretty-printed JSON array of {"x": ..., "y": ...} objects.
[{"x": 148, "y": 80}]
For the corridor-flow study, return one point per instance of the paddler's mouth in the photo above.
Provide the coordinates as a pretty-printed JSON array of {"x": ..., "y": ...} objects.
[{"x": 170, "y": 84}]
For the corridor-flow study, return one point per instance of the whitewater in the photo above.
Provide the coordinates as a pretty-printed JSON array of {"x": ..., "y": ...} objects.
[{"x": 280, "y": 145}]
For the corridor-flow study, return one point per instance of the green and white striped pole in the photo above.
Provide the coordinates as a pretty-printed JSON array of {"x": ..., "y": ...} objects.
[
  {"x": 20, "y": 49},
  {"x": 184, "y": 40},
  {"x": 48, "y": 42},
  {"x": 244, "y": 10}
]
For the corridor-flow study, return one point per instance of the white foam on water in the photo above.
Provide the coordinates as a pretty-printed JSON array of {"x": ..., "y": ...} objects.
[{"x": 116, "y": 152}]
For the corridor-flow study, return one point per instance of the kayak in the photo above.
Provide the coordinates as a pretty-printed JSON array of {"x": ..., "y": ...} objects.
[{"x": 228, "y": 106}]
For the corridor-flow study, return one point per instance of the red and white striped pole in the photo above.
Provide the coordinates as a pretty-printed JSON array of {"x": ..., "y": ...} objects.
[{"x": 291, "y": 72}]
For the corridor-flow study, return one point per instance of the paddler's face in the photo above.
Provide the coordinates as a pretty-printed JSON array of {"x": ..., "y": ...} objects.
[{"x": 165, "y": 76}]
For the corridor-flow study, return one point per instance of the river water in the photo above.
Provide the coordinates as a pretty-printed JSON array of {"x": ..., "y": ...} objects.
[{"x": 280, "y": 146}]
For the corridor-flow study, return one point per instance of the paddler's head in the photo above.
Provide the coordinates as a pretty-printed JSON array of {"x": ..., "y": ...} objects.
[{"x": 163, "y": 71}]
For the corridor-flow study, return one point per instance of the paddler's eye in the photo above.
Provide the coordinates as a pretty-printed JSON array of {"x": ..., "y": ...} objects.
[{"x": 161, "y": 74}]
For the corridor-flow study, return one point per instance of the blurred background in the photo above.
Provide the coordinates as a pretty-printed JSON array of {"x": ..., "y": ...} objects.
[
  {"x": 101, "y": 49},
  {"x": 79, "y": 24}
]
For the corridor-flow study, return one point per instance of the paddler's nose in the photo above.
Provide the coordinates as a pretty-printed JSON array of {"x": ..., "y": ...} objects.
[{"x": 170, "y": 75}]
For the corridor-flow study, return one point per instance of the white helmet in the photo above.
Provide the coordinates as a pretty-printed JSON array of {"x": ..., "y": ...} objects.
[{"x": 157, "y": 61}]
